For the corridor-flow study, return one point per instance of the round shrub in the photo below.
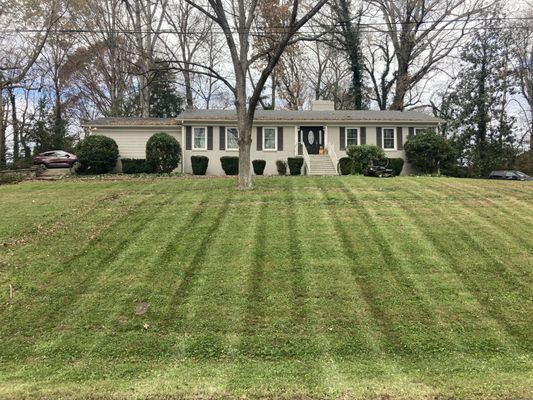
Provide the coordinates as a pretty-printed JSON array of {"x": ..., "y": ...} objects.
[
  {"x": 427, "y": 151},
  {"x": 281, "y": 167},
  {"x": 163, "y": 153},
  {"x": 199, "y": 164},
  {"x": 259, "y": 166},
  {"x": 230, "y": 165},
  {"x": 362, "y": 155},
  {"x": 345, "y": 165},
  {"x": 135, "y": 166},
  {"x": 97, "y": 154},
  {"x": 396, "y": 164},
  {"x": 295, "y": 165}
]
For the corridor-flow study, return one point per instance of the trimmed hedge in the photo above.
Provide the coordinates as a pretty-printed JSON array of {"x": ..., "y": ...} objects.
[
  {"x": 135, "y": 166},
  {"x": 345, "y": 165},
  {"x": 97, "y": 154},
  {"x": 281, "y": 167},
  {"x": 396, "y": 164},
  {"x": 259, "y": 166},
  {"x": 163, "y": 153},
  {"x": 199, "y": 164},
  {"x": 230, "y": 165},
  {"x": 295, "y": 165}
]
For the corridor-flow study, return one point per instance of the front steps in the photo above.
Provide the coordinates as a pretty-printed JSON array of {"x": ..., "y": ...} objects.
[{"x": 321, "y": 165}]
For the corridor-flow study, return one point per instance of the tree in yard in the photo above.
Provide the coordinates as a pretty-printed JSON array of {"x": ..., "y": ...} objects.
[
  {"x": 482, "y": 126},
  {"x": 423, "y": 33},
  {"x": 236, "y": 20},
  {"x": 349, "y": 39}
]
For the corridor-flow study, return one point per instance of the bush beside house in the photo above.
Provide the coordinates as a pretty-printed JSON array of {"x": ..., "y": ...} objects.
[
  {"x": 259, "y": 166},
  {"x": 281, "y": 167},
  {"x": 163, "y": 153},
  {"x": 97, "y": 154},
  {"x": 345, "y": 166},
  {"x": 427, "y": 152},
  {"x": 135, "y": 166},
  {"x": 199, "y": 164},
  {"x": 396, "y": 164},
  {"x": 362, "y": 155},
  {"x": 295, "y": 165},
  {"x": 230, "y": 165}
]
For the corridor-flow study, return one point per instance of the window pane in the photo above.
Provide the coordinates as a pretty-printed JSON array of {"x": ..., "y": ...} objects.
[
  {"x": 388, "y": 138},
  {"x": 351, "y": 136},
  {"x": 232, "y": 138},
  {"x": 199, "y": 138},
  {"x": 269, "y": 139}
]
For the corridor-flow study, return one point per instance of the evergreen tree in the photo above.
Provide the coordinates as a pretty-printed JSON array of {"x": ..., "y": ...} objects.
[
  {"x": 165, "y": 102},
  {"x": 481, "y": 126}
]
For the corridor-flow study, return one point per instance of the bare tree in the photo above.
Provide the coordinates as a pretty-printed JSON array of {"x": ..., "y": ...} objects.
[
  {"x": 236, "y": 19},
  {"x": 422, "y": 33}
]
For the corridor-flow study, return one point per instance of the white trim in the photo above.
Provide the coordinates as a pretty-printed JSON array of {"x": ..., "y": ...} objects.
[
  {"x": 227, "y": 141},
  {"x": 394, "y": 133},
  {"x": 275, "y": 138},
  {"x": 346, "y": 135},
  {"x": 192, "y": 138}
]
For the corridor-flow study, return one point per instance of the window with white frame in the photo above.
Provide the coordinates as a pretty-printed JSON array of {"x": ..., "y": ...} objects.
[
  {"x": 389, "y": 141},
  {"x": 232, "y": 139},
  {"x": 270, "y": 139},
  {"x": 199, "y": 139},
  {"x": 352, "y": 136}
]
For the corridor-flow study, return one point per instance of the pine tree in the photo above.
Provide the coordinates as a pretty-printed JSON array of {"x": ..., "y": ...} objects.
[{"x": 481, "y": 125}]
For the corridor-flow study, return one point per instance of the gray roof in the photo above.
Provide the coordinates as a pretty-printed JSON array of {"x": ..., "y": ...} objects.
[
  {"x": 313, "y": 116},
  {"x": 131, "y": 122},
  {"x": 275, "y": 116}
]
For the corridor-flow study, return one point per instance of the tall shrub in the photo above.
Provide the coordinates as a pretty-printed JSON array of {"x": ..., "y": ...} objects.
[
  {"x": 396, "y": 164},
  {"x": 362, "y": 155},
  {"x": 295, "y": 165},
  {"x": 427, "y": 152},
  {"x": 163, "y": 153},
  {"x": 281, "y": 166},
  {"x": 259, "y": 166},
  {"x": 97, "y": 154}
]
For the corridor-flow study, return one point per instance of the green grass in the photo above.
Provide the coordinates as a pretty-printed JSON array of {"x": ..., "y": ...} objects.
[{"x": 346, "y": 287}]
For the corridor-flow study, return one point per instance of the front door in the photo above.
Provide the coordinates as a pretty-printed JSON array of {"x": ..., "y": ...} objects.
[{"x": 312, "y": 137}]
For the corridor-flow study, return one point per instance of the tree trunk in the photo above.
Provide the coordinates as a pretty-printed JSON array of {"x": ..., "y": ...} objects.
[
  {"x": 188, "y": 88},
  {"x": 15, "y": 123}
]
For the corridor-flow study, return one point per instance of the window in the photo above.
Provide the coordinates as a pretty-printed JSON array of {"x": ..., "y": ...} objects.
[
  {"x": 352, "y": 136},
  {"x": 388, "y": 139},
  {"x": 232, "y": 139},
  {"x": 419, "y": 131},
  {"x": 270, "y": 139},
  {"x": 199, "y": 140}
]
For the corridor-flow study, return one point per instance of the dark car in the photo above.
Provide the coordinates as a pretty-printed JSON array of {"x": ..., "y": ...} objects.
[
  {"x": 55, "y": 159},
  {"x": 510, "y": 175}
]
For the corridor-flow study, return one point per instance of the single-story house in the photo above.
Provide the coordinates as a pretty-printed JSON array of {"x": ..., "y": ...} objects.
[{"x": 320, "y": 135}]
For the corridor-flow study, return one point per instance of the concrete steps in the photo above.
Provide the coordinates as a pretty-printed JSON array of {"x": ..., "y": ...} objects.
[{"x": 322, "y": 166}]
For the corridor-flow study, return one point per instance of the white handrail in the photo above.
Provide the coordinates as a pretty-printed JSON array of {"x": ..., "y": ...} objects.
[
  {"x": 333, "y": 156},
  {"x": 307, "y": 159}
]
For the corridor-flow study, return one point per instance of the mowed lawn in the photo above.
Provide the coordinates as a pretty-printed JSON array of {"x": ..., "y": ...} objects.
[{"x": 336, "y": 287}]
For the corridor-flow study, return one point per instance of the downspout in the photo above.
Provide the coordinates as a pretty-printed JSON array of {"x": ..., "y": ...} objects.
[{"x": 182, "y": 149}]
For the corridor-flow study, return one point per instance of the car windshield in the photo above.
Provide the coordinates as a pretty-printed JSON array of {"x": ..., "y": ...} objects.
[{"x": 521, "y": 174}]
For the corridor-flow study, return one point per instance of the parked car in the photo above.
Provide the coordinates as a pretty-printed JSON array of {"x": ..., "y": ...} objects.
[
  {"x": 510, "y": 175},
  {"x": 55, "y": 159}
]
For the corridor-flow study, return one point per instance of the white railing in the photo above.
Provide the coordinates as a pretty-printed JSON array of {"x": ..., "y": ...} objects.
[
  {"x": 333, "y": 156},
  {"x": 305, "y": 154}
]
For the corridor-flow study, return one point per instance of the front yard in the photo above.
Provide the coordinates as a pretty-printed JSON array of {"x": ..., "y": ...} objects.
[{"x": 303, "y": 288}]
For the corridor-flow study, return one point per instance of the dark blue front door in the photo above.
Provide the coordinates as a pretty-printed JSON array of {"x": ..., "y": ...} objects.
[{"x": 312, "y": 137}]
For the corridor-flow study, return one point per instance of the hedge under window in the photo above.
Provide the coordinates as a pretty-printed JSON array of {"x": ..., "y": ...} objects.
[
  {"x": 199, "y": 139},
  {"x": 269, "y": 139},
  {"x": 388, "y": 139},
  {"x": 232, "y": 139}
]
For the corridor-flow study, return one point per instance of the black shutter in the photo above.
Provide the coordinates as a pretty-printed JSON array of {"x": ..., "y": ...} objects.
[
  {"x": 399, "y": 138},
  {"x": 222, "y": 138},
  {"x": 363, "y": 135},
  {"x": 342, "y": 145},
  {"x": 259, "y": 138},
  {"x": 280, "y": 138},
  {"x": 411, "y": 132},
  {"x": 188, "y": 138},
  {"x": 379, "y": 138},
  {"x": 209, "y": 138}
]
